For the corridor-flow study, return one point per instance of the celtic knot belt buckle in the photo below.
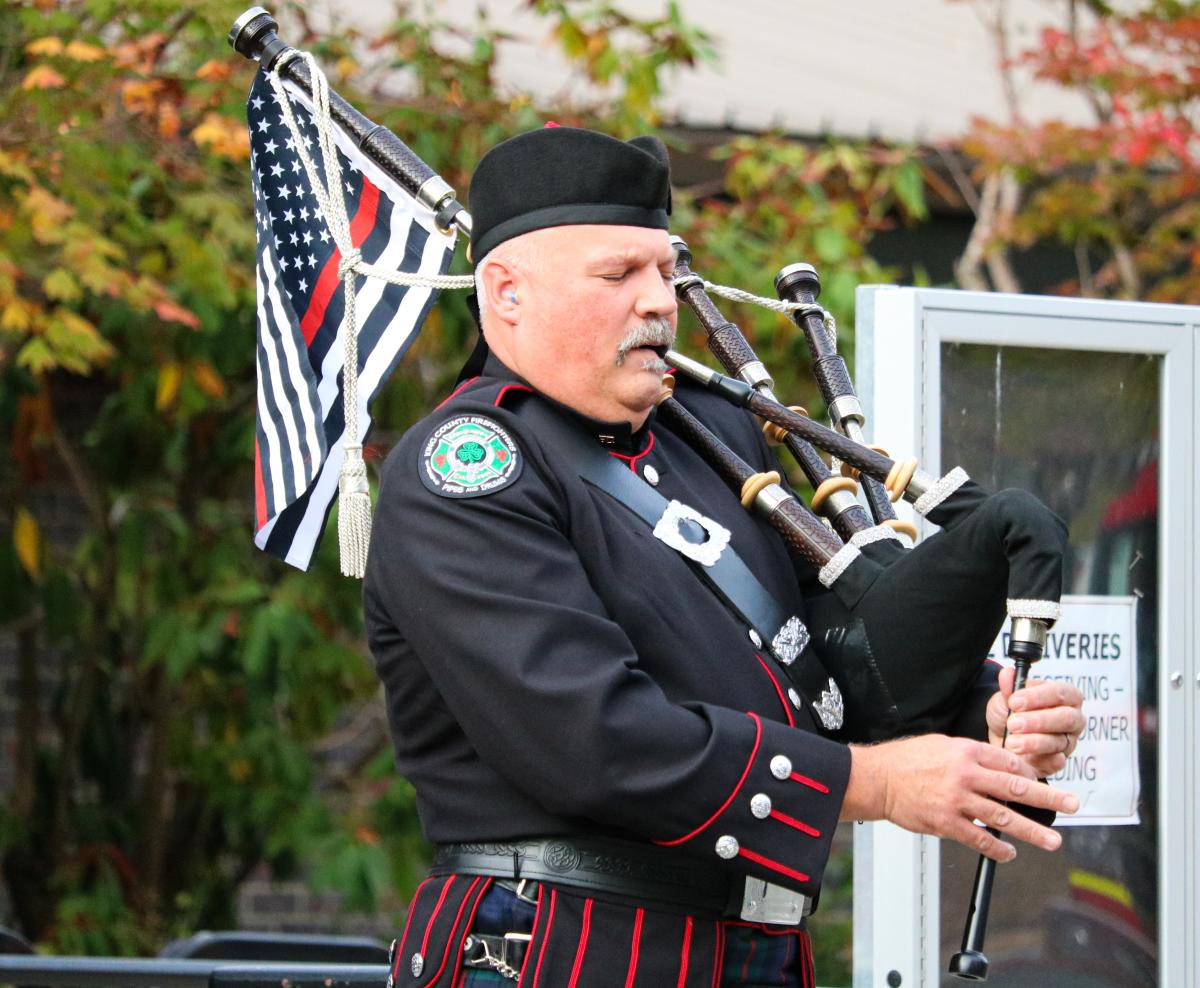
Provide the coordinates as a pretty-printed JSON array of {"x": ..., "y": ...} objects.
[{"x": 691, "y": 534}]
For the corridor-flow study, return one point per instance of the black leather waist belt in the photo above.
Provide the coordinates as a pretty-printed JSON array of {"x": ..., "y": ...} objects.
[{"x": 638, "y": 871}]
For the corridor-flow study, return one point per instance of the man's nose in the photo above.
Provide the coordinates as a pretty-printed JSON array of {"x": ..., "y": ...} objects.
[{"x": 656, "y": 296}]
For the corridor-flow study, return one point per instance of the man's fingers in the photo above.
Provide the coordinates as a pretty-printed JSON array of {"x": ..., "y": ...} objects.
[
  {"x": 1044, "y": 743},
  {"x": 1053, "y": 720},
  {"x": 976, "y": 838},
  {"x": 1007, "y": 787},
  {"x": 1002, "y": 760},
  {"x": 1039, "y": 694},
  {"x": 1009, "y": 821}
]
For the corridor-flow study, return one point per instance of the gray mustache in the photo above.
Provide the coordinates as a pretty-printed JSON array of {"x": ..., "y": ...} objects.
[{"x": 652, "y": 332}]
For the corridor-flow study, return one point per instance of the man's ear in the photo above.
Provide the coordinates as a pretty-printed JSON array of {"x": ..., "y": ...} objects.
[{"x": 502, "y": 294}]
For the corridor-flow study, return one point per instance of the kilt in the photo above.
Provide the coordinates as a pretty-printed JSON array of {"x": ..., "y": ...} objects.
[{"x": 579, "y": 940}]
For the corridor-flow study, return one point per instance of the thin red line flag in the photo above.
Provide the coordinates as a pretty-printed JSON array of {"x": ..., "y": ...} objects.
[{"x": 300, "y": 421}]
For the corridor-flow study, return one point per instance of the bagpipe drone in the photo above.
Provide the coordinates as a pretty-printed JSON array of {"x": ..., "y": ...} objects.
[{"x": 902, "y": 631}]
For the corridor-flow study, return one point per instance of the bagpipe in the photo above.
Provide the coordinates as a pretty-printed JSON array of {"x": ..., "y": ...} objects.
[{"x": 902, "y": 631}]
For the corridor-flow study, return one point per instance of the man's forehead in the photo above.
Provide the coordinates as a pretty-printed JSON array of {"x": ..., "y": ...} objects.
[{"x": 629, "y": 243}]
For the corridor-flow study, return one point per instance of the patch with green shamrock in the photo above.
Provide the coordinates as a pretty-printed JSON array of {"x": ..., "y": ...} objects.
[{"x": 469, "y": 456}]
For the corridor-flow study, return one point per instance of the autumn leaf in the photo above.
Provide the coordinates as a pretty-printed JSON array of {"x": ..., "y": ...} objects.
[
  {"x": 60, "y": 284},
  {"x": 43, "y": 77},
  {"x": 207, "y": 379},
  {"x": 17, "y": 316},
  {"x": 44, "y": 46},
  {"x": 215, "y": 70},
  {"x": 170, "y": 311},
  {"x": 170, "y": 375},
  {"x": 82, "y": 52},
  {"x": 223, "y": 135},
  {"x": 77, "y": 343},
  {"x": 36, "y": 357},
  {"x": 27, "y": 539},
  {"x": 141, "y": 95},
  {"x": 47, "y": 213}
]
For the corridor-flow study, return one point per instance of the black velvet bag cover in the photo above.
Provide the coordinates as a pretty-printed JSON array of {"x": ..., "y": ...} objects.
[{"x": 906, "y": 650}]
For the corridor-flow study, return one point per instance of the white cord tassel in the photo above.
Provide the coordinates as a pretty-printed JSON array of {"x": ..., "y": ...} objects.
[{"x": 354, "y": 512}]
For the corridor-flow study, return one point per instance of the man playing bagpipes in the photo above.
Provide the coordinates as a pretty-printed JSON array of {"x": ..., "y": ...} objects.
[{"x": 595, "y": 660}]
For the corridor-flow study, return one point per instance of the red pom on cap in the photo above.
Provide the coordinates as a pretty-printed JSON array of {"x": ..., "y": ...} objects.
[{"x": 551, "y": 123}]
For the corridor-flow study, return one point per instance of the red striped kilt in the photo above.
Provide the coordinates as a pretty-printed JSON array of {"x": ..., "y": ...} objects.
[{"x": 589, "y": 941}]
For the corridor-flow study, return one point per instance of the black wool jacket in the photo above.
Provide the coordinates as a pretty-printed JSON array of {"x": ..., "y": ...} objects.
[{"x": 551, "y": 667}]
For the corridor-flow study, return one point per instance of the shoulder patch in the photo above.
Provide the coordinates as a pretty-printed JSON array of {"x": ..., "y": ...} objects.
[{"x": 469, "y": 456}]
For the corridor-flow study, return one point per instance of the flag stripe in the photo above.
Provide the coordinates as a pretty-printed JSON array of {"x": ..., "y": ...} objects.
[
  {"x": 283, "y": 392},
  {"x": 300, "y": 383},
  {"x": 260, "y": 496}
]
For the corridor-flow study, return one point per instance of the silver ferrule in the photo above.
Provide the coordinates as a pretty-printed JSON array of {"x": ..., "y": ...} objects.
[
  {"x": 920, "y": 483},
  {"x": 692, "y": 368},
  {"x": 755, "y": 375},
  {"x": 770, "y": 498},
  {"x": 837, "y": 503},
  {"x": 434, "y": 192},
  {"x": 846, "y": 409},
  {"x": 1031, "y": 630},
  {"x": 854, "y": 430}
]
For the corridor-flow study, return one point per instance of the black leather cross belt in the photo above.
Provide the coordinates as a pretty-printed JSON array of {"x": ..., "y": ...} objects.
[{"x": 597, "y": 864}]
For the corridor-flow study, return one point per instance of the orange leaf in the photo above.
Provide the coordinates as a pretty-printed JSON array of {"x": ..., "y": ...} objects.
[
  {"x": 224, "y": 135},
  {"x": 168, "y": 121},
  {"x": 80, "y": 51},
  {"x": 44, "y": 46},
  {"x": 43, "y": 77},
  {"x": 28, "y": 541},
  {"x": 207, "y": 379},
  {"x": 170, "y": 311},
  {"x": 140, "y": 95},
  {"x": 169, "y": 378},
  {"x": 215, "y": 70}
]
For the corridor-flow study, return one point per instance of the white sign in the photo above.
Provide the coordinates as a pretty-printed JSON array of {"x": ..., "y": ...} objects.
[{"x": 1094, "y": 646}]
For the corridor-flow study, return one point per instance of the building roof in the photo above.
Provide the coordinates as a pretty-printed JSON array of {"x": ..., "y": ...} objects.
[{"x": 912, "y": 71}]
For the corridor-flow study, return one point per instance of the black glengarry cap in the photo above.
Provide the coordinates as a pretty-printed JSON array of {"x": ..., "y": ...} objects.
[{"x": 561, "y": 176}]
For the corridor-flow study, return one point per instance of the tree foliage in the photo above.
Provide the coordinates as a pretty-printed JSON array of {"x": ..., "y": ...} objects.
[
  {"x": 177, "y": 690},
  {"x": 1119, "y": 190}
]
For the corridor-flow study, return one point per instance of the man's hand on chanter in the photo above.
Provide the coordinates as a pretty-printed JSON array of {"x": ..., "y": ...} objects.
[
  {"x": 938, "y": 785},
  {"x": 1045, "y": 721}
]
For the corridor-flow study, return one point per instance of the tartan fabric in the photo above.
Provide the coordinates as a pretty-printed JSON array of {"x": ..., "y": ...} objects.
[{"x": 752, "y": 956}]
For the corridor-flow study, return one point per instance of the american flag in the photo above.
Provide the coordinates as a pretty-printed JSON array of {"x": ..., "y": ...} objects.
[{"x": 301, "y": 302}]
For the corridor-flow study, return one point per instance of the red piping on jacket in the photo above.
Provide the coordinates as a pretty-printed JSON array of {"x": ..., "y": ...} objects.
[
  {"x": 583, "y": 939},
  {"x": 537, "y": 971},
  {"x": 787, "y": 707},
  {"x": 773, "y": 865},
  {"x": 736, "y": 789},
  {"x": 404, "y": 936},
  {"x": 632, "y": 460},
  {"x": 804, "y": 780},
  {"x": 506, "y": 389},
  {"x": 791, "y": 821},
  {"x": 687, "y": 946},
  {"x": 457, "y": 919},
  {"x": 633, "y": 947},
  {"x": 433, "y": 916},
  {"x": 455, "y": 392}
]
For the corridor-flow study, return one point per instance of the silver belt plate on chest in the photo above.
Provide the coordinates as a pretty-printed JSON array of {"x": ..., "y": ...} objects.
[
  {"x": 767, "y": 903},
  {"x": 676, "y": 518}
]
